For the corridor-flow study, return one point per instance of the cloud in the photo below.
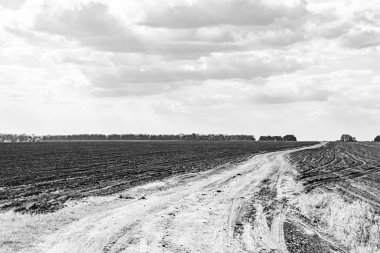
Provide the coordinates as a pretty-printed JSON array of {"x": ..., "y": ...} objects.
[
  {"x": 223, "y": 65},
  {"x": 290, "y": 96},
  {"x": 82, "y": 21},
  {"x": 362, "y": 38},
  {"x": 195, "y": 14},
  {"x": 11, "y": 4},
  {"x": 130, "y": 80},
  {"x": 335, "y": 89},
  {"x": 353, "y": 25},
  {"x": 91, "y": 24},
  {"x": 97, "y": 25}
]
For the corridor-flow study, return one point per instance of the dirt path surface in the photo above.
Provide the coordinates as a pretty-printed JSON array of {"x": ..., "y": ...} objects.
[{"x": 235, "y": 209}]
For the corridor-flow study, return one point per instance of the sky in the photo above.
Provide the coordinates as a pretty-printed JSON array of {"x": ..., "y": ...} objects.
[{"x": 264, "y": 67}]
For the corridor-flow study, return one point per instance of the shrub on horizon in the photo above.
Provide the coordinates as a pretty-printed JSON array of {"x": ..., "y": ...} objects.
[
  {"x": 290, "y": 137},
  {"x": 347, "y": 138}
]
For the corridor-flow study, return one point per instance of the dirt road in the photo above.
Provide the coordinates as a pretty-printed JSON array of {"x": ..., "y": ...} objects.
[{"x": 238, "y": 208}]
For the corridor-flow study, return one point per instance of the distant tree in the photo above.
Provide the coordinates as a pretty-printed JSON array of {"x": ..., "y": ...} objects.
[
  {"x": 290, "y": 137},
  {"x": 347, "y": 138},
  {"x": 193, "y": 136},
  {"x": 114, "y": 137},
  {"x": 271, "y": 138},
  {"x": 377, "y": 138}
]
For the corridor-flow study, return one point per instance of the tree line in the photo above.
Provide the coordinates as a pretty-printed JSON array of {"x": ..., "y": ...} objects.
[
  {"x": 121, "y": 137},
  {"x": 19, "y": 138},
  {"x": 166, "y": 137},
  {"x": 288, "y": 137},
  {"x": 147, "y": 137}
]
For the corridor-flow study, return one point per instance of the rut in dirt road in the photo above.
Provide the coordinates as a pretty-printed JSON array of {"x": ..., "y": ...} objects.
[{"x": 239, "y": 209}]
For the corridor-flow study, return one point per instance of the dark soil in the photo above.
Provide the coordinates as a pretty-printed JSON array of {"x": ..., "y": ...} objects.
[
  {"x": 41, "y": 177},
  {"x": 352, "y": 170},
  {"x": 297, "y": 241}
]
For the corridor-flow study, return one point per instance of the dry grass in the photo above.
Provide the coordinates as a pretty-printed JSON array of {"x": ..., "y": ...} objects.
[
  {"x": 22, "y": 232},
  {"x": 355, "y": 224}
]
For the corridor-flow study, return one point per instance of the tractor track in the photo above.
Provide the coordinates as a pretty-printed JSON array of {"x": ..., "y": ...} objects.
[{"x": 237, "y": 209}]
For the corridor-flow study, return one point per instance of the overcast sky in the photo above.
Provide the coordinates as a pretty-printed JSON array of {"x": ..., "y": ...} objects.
[{"x": 309, "y": 68}]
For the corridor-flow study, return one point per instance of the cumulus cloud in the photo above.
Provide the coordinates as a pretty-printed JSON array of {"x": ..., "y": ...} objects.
[
  {"x": 289, "y": 89},
  {"x": 15, "y": 4},
  {"x": 362, "y": 37},
  {"x": 185, "y": 60},
  {"x": 217, "y": 66},
  {"x": 81, "y": 21},
  {"x": 90, "y": 24},
  {"x": 194, "y": 14},
  {"x": 94, "y": 24},
  {"x": 355, "y": 24}
]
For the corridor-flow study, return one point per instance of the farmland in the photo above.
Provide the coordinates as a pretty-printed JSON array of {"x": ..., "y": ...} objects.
[
  {"x": 352, "y": 169},
  {"x": 340, "y": 198},
  {"x": 200, "y": 197},
  {"x": 41, "y": 177}
]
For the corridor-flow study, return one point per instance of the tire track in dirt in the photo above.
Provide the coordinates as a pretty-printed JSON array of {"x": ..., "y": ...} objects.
[{"x": 236, "y": 209}]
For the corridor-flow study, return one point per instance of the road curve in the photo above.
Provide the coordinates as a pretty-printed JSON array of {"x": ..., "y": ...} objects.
[{"x": 222, "y": 210}]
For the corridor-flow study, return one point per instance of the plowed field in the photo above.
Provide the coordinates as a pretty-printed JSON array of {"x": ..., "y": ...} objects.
[
  {"x": 318, "y": 199},
  {"x": 340, "y": 201},
  {"x": 41, "y": 177}
]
